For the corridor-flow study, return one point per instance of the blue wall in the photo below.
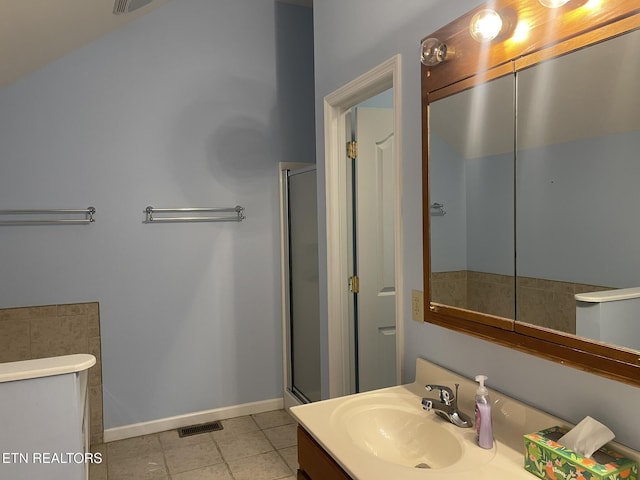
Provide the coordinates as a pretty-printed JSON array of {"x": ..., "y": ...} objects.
[
  {"x": 178, "y": 108},
  {"x": 448, "y": 232},
  {"x": 575, "y": 211},
  {"x": 578, "y": 211}
]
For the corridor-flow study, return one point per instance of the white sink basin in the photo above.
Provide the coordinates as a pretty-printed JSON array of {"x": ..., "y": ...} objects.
[
  {"x": 385, "y": 434},
  {"x": 390, "y": 432},
  {"x": 393, "y": 431}
]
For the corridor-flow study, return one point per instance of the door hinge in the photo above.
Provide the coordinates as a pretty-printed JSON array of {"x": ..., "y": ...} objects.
[
  {"x": 354, "y": 284},
  {"x": 352, "y": 150}
]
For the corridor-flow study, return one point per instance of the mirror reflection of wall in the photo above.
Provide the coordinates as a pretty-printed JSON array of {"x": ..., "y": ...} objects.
[
  {"x": 471, "y": 171},
  {"x": 577, "y": 174},
  {"x": 575, "y": 169}
]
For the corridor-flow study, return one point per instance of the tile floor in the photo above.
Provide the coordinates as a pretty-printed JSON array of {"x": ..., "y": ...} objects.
[{"x": 256, "y": 447}]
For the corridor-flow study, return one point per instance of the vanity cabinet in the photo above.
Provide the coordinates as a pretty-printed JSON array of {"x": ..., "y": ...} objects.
[{"x": 314, "y": 463}]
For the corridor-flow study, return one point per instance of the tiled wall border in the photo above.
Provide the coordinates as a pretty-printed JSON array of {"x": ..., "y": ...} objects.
[{"x": 52, "y": 330}]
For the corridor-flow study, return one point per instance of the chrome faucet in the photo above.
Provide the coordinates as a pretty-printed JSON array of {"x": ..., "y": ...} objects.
[{"x": 446, "y": 406}]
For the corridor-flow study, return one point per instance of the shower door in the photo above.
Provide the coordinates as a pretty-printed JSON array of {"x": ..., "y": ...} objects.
[{"x": 304, "y": 320}]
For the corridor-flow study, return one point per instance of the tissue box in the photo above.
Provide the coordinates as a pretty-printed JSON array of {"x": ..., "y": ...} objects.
[{"x": 547, "y": 459}]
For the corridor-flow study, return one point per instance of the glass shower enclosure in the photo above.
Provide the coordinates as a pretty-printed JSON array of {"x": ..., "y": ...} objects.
[{"x": 302, "y": 320}]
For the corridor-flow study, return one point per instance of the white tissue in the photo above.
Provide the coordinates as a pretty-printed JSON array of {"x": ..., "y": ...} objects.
[{"x": 586, "y": 437}]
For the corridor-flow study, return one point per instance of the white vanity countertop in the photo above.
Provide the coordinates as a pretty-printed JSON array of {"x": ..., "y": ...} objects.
[
  {"x": 511, "y": 420},
  {"x": 45, "y": 367}
]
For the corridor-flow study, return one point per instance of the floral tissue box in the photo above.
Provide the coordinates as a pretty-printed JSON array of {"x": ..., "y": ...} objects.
[{"x": 547, "y": 459}]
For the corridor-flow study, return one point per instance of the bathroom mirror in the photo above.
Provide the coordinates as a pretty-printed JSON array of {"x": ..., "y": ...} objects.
[{"x": 530, "y": 164}]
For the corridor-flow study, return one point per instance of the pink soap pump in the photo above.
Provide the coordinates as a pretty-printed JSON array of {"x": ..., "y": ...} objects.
[{"x": 483, "y": 414}]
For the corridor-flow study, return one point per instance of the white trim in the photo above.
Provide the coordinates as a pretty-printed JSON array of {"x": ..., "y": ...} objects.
[
  {"x": 337, "y": 259},
  {"x": 155, "y": 426},
  {"x": 384, "y": 76},
  {"x": 399, "y": 240}
]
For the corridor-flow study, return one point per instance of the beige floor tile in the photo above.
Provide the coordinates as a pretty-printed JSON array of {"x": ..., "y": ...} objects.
[
  {"x": 212, "y": 472},
  {"x": 282, "y": 437},
  {"x": 246, "y": 443},
  {"x": 234, "y": 426},
  {"x": 290, "y": 455},
  {"x": 243, "y": 445},
  {"x": 268, "y": 466},
  {"x": 149, "y": 466},
  {"x": 132, "y": 447},
  {"x": 170, "y": 439},
  {"x": 272, "y": 419},
  {"x": 190, "y": 457}
]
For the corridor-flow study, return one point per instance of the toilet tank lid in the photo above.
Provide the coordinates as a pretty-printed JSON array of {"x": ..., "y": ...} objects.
[{"x": 609, "y": 295}]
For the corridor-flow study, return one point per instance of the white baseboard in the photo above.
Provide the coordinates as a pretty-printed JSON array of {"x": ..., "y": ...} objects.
[{"x": 160, "y": 425}]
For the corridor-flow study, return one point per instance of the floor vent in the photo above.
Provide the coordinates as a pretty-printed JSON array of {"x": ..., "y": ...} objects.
[{"x": 202, "y": 428}]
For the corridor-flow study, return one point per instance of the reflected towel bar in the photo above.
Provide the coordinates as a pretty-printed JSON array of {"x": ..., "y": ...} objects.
[
  {"x": 87, "y": 212},
  {"x": 238, "y": 216}
]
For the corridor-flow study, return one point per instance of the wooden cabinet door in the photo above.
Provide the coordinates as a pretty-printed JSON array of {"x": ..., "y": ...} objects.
[{"x": 314, "y": 462}]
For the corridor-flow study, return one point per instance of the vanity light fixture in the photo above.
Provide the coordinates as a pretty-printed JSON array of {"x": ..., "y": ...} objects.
[
  {"x": 433, "y": 52},
  {"x": 553, "y": 3},
  {"x": 485, "y": 25}
]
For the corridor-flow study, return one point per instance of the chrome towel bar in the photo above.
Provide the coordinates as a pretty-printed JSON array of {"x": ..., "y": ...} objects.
[
  {"x": 437, "y": 209},
  {"x": 237, "y": 211},
  {"x": 87, "y": 212}
]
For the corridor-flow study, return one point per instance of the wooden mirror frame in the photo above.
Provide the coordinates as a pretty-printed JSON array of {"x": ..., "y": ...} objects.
[{"x": 551, "y": 33}]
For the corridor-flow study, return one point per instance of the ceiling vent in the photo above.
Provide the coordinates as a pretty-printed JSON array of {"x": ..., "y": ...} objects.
[{"x": 126, "y": 6}]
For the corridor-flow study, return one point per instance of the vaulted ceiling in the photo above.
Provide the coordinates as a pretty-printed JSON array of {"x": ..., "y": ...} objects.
[{"x": 36, "y": 32}]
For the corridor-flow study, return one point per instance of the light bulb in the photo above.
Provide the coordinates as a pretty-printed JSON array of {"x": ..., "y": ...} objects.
[
  {"x": 553, "y": 3},
  {"x": 485, "y": 25},
  {"x": 433, "y": 52}
]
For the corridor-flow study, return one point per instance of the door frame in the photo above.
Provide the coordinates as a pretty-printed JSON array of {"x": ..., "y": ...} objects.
[{"x": 336, "y": 104}]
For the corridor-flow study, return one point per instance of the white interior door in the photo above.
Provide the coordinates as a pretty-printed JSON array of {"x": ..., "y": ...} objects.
[{"x": 375, "y": 248}]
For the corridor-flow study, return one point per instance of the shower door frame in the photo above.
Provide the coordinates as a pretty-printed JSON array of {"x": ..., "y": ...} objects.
[{"x": 290, "y": 398}]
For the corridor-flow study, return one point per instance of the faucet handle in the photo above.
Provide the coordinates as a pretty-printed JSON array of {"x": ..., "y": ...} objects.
[{"x": 446, "y": 394}]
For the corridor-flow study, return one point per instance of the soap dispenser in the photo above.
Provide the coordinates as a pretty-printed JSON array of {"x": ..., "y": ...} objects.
[{"x": 483, "y": 414}]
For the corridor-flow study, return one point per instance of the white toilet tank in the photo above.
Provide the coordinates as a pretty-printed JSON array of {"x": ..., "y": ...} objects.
[{"x": 611, "y": 316}]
